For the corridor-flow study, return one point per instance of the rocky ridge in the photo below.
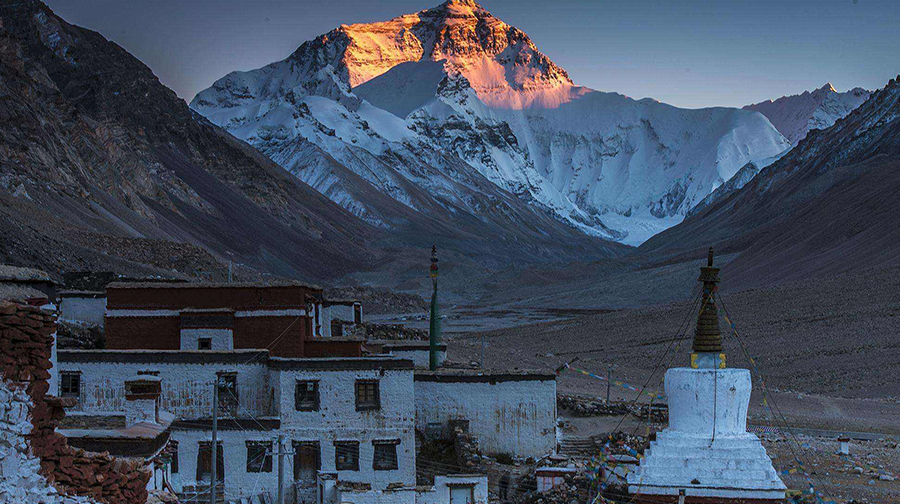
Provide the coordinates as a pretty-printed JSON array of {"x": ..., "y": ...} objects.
[{"x": 794, "y": 116}]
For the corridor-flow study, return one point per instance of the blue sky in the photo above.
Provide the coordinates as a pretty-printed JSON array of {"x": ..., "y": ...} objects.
[{"x": 686, "y": 53}]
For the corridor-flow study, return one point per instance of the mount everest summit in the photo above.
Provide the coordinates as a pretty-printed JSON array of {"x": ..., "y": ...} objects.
[{"x": 452, "y": 109}]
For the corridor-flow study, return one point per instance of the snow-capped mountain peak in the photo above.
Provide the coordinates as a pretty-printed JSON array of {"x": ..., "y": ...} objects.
[
  {"x": 454, "y": 101},
  {"x": 794, "y": 116}
]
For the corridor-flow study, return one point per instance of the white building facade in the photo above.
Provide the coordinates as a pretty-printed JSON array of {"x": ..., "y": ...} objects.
[
  {"x": 512, "y": 413},
  {"x": 352, "y": 418}
]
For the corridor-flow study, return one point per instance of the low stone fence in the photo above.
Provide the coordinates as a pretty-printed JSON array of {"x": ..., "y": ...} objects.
[{"x": 26, "y": 339}]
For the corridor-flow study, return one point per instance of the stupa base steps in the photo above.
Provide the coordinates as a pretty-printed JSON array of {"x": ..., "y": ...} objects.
[
  {"x": 698, "y": 499},
  {"x": 719, "y": 470}
]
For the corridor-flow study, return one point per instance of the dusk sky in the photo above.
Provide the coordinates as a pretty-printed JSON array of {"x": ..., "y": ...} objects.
[{"x": 686, "y": 53}]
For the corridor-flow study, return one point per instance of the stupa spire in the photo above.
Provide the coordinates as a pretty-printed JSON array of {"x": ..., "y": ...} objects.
[{"x": 707, "y": 335}]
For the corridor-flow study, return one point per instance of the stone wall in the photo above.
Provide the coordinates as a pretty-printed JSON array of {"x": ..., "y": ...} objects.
[{"x": 26, "y": 338}]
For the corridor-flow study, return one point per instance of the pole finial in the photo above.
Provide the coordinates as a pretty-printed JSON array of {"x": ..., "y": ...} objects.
[
  {"x": 434, "y": 262},
  {"x": 709, "y": 258}
]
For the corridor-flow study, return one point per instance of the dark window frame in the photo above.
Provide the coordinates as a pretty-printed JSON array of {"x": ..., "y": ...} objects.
[
  {"x": 346, "y": 455},
  {"x": 259, "y": 462},
  {"x": 174, "y": 466},
  {"x": 229, "y": 397},
  {"x": 307, "y": 404},
  {"x": 316, "y": 448},
  {"x": 204, "y": 342},
  {"x": 206, "y": 446},
  {"x": 67, "y": 376},
  {"x": 384, "y": 456},
  {"x": 368, "y": 395}
]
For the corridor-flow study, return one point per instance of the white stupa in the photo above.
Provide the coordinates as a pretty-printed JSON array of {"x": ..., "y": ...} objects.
[{"x": 706, "y": 453}]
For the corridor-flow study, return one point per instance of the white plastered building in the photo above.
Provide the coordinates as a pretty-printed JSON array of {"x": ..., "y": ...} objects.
[{"x": 347, "y": 423}]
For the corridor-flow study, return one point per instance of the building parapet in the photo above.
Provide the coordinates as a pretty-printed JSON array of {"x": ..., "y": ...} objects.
[
  {"x": 82, "y": 294},
  {"x": 340, "y": 363},
  {"x": 250, "y": 356},
  {"x": 478, "y": 376}
]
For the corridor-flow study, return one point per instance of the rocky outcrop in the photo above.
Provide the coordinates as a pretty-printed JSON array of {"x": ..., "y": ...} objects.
[{"x": 26, "y": 337}]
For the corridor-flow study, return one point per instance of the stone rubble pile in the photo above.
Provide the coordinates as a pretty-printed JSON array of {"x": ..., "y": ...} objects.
[
  {"x": 375, "y": 331},
  {"x": 576, "y": 488},
  {"x": 465, "y": 445},
  {"x": 20, "y": 479},
  {"x": 658, "y": 413},
  {"x": 580, "y": 406},
  {"x": 26, "y": 338}
]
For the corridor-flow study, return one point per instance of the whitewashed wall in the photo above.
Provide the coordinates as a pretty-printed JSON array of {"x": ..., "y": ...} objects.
[
  {"x": 87, "y": 310},
  {"x": 508, "y": 414},
  {"x": 221, "y": 339},
  {"x": 406, "y": 495},
  {"x": 186, "y": 386},
  {"x": 440, "y": 492},
  {"x": 337, "y": 418},
  {"x": 238, "y": 482}
]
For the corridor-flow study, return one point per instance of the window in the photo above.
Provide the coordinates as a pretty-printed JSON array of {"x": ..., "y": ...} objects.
[
  {"x": 367, "y": 396},
  {"x": 306, "y": 396},
  {"x": 228, "y": 391},
  {"x": 385, "y": 455},
  {"x": 307, "y": 462},
  {"x": 346, "y": 455},
  {"x": 337, "y": 329},
  {"x": 204, "y": 344},
  {"x": 174, "y": 456},
  {"x": 357, "y": 314},
  {"x": 70, "y": 384},
  {"x": 259, "y": 456},
  {"x": 204, "y": 462}
]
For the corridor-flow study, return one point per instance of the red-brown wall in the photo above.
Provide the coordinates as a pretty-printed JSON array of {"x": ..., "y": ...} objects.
[
  {"x": 261, "y": 332},
  {"x": 164, "y": 333},
  {"x": 143, "y": 333},
  {"x": 325, "y": 348}
]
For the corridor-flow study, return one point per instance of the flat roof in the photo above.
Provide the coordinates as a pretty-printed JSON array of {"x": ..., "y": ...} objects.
[
  {"x": 208, "y": 285},
  {"x": 82, "y": 293},
  {"x": 481, "y": 376},
  {"x": 341, "y": 300},
  {"x": 408, "y": 345},
  {"x": 243, "y": 356},
  {"x": 340, "y": 363}
]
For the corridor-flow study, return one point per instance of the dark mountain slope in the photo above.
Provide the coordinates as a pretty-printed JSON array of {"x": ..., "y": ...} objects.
[
  {"x": 830, "y": 205},
  {"x": 91, "y": 144}
]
